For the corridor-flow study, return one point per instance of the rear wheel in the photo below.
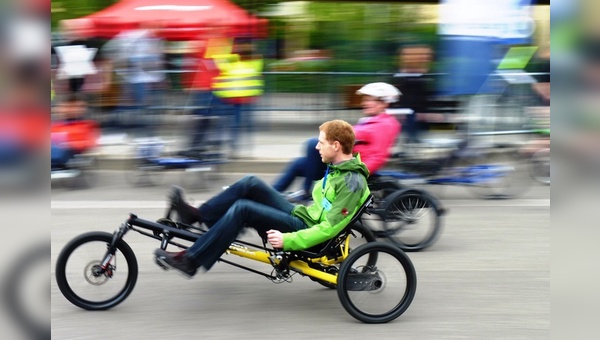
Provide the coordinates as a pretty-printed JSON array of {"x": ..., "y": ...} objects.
[
  {"x": 376, "y": 283},
  {"x": 411, "y": 220},
  {"x": 86, "y": 282}
]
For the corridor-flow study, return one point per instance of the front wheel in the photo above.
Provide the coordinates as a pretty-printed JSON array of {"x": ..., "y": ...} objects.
[
  {"x": 86, "y": 282},
  {"x": 357, "y": 236},
  {"x": 380, "y": 291}
]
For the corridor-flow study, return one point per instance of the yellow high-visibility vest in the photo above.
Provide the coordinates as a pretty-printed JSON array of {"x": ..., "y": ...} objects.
[{"x": 238, "y": 78}]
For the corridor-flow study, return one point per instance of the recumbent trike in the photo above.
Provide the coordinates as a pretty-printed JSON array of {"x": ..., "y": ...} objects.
[{"x": 375, "y": 281}]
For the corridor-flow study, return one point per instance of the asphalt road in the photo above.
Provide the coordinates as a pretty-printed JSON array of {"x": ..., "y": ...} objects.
[{"x": 487, "y": 276}]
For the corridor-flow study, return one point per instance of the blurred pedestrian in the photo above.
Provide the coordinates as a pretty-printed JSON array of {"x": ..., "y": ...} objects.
[
  {"x": 71, "y": 134},
  {"x": 75, "y": 54},
  {"x": 415, "y": 83},
  {"x": 141, "y": 63},
  {"x": 202, "y": 71},
  {"x": 239, "y": 85}
]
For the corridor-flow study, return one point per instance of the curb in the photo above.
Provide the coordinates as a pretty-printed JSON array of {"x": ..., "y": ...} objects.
[
  {"x": 232, "y": 166},
  {"x": 247, "y": 165}
]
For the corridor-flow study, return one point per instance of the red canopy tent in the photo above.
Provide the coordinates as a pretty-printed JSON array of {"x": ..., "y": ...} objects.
[{"x": 174, "y": 19}]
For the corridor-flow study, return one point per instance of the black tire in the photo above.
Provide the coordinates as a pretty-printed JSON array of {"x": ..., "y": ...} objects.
[
  {"x": 377, "y": 292},
  {"x": 360, "y": 235},
  {"x": 75, "y": 291},
  {"x": 411, "y": 219}
]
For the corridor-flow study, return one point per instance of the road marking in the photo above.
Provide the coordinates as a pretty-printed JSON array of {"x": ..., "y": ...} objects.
[{"x": 63, "y": 205}]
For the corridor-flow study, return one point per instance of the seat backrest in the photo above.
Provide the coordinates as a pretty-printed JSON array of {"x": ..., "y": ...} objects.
[
  {"x": 323, "y": 249},
  {"x": 361, "y": 210}
]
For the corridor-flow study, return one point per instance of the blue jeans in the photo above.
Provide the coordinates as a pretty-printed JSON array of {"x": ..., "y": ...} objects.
[
  {"x": 249, "y": 202},
  {"x": 202, "y": 127},
  {"x": 242, "y": 124},
  {"x": 59, "y": 156},
  {"x": 311, "y": 167},
  {"x": 145, "y": 96}
]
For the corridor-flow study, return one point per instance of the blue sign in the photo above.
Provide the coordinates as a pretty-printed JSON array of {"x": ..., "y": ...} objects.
[{"x": 475, "y": 36}]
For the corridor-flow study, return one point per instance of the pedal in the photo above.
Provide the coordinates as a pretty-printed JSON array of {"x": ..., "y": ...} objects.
[{"x": 160, "y": 264}]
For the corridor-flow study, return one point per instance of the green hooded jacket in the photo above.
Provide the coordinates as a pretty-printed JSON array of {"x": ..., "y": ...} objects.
[{"x": 336, "y": 198}]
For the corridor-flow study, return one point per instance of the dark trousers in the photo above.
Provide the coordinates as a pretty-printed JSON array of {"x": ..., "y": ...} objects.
[{"x": 249, "y": 202}]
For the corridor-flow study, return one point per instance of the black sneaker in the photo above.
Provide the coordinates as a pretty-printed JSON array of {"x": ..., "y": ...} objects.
[
  {"x": 185, "y": 213},
  {"x": 177, "y": 261}
]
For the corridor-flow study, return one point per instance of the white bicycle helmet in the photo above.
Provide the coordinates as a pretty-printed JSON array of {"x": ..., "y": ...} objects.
[{"x": 384, "y": 91}]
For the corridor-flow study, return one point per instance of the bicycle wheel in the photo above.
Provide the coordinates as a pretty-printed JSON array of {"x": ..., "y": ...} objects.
[
  {"x": 411, "y": 219},
  {"x": 359, "y": 235},
  {"x": 539, "y": 166},
  {"x": 380, "y": 291},
  {"x": 82, "y": 281},
  {"x": 503, "y": 175}
]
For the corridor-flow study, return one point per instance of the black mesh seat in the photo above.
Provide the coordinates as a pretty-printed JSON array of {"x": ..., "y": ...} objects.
[{"x": 329, "y": 247}]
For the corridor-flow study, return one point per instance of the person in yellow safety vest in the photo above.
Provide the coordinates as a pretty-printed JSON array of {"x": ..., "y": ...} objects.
[
  {"x": 240, "y": 81},
  {"x": 239, "y": 84}
]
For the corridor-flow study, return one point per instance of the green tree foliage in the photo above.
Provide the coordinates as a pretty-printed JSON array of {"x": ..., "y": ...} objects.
[{"x": 364, "y": 36}]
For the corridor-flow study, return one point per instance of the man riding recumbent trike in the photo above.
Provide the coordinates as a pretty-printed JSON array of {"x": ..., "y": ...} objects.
[{"x": 376, "y": 281}]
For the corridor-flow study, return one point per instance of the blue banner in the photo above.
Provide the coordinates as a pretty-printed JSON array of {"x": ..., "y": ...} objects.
[{"x": 475, "y": 35}]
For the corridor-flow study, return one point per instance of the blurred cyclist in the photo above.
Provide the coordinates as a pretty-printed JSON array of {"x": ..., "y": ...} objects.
[{"x": 376, "y": 133}]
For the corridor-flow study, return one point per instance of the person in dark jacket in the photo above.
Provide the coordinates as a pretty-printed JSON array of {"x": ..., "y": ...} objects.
[
  {"x": 415, "y": 83},
  {"x": 251, "y": 202}
]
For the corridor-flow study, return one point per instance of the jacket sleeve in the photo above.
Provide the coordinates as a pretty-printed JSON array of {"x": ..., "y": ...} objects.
[{"x": 343, "y": 208}]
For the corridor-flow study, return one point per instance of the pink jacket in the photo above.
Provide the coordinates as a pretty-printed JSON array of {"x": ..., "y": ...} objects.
[{"x": 375, "y": 137}]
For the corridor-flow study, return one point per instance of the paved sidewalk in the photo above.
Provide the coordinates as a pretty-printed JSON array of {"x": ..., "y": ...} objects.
[
  {"x": 278, "y": 138},
  {"x": 268, "y": 149}
]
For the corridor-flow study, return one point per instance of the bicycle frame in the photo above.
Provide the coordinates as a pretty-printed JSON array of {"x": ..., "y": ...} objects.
[{"x": 282, "y": 262}]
